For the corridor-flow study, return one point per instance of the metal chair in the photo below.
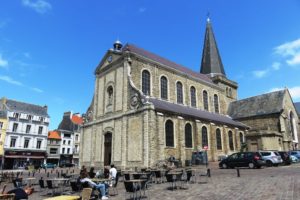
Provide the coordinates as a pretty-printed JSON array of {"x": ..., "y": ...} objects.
[
  {"x": 131, "y": 189},
  {"x": 170, "y": 179},
  {"x": 51, "y": 187},
  {"x": 7, "y": 196}
]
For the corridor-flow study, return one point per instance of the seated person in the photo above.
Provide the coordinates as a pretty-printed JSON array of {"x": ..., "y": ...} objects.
[
  {"x": 100, "y": 187},
  {"x": 19, "y": 192},
  {"x": 92, "y": 174}
]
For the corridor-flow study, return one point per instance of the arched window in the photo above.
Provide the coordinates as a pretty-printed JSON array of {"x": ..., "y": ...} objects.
[
  {"x": 179, "y": 92},
  {"x": 193, "y": 96},
  {"x": 219, "y": 139},
  {"x": 204, "y": 137},
  {"x": 169, "y": 130},
  {"x": 292, "y": 125},
  {"x": 146, "y": 82},
  {"x": 241, "y": 138},
  {"x": 230, "y": 140},
  {"x": 216, "y": 103},
  {"x": 229, "y": 92},
  {"x": 110, "y": 95},
  {"x": 205, "y": 100},
  {"x": 188, "y": 136},
  {"x": 163, "y": 87}
]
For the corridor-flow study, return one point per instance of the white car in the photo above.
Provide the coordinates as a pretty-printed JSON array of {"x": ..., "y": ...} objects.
[{"x": 272, "y": 158}]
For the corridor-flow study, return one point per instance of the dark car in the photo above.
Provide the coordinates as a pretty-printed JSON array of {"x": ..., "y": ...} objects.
[
  {"x": 243, "y": 159},
  {"x": 285, "y": 157},
  {"x": 67, "y": 165}
]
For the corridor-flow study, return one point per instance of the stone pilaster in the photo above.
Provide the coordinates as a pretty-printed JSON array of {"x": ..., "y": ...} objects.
[
  {"x": 181, "y": 139},
  {"x": 160, "y": 136},
  {"x": 146, "y": 139},
  {"x": 124, "y": 142}
]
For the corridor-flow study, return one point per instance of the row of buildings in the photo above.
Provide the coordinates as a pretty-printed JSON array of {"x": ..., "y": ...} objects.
[
  {"x": 25, "y": 139},
  {"x": 146, "y": 108}
]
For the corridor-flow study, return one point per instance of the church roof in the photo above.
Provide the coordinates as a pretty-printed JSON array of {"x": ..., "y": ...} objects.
[
  {"x": 297, "y": 106},
  {"x": 17, "y": 106},
  {"x": 264, "y": 104},
  {"x": 211, "y": 60},
  {"x": 182, "y": 110},
  {"x": 164, "y": 61}
]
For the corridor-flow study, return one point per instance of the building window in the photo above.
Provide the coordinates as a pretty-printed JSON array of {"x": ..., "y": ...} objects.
[
  {"x": 63, "y": 150},
  {"x": 188, "y": 136},
  {"x": 64, "y": 142},
  {"x": 193, "y": 97},
  {"x": 179, "y": 92},
  {"x": 29, "y": 117},
  {"x": 110, "y": 93},
  {"x": 41, "y": 119},
  {"x": 216, "y": 103},
  {"x": 40, "y": 130},
  {"x": 77, "y": 138},
  {"x": 68, "y": 150},
  {"x": 1, "y": 125},
  {"x": 38, "y": 144},
  {"x": 13, "y": 142},
  {"x": 16, "y": 115},
  {"x": 169, "y": 130},
  {"x": 230, "y": 140},
  {"x": 163, "y": 87},
  {"x": 76, "y": 148},
  {"x": 53, "y": 151},
  {"x": 146, "y": 82},
  {"x": 28, "y": 127},
  {"x": 205, "y": 100},
  {"x": 15, "y": 127},
  {"x": 69, "y": 142},
  {"x": 241, "y": 138},
  {"x": 219, "y": 139},
  {"x": 26, "y": 143},
  {"x": 67, "y": 135},
  {"x": 292, "y": 125},
  {"x": 204, "y": 137}
]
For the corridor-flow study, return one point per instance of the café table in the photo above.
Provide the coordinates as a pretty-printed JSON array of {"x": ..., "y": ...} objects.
[
  {"x": 137, "y": 184},
  {"x": 176, "y": 176},
  {"x": 29, "y": 181},
  {"x": 60, "y": 182},
  {"x": 64, "y": 197}
]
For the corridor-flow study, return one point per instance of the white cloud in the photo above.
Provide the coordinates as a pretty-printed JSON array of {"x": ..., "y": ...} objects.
[
  {"x": 294, "y": 91},
  {"x": 141, "y": 10},
  {"x": 10, "y": 80},
  {"x": 40, "y": 6},
  {"x": 295, "y": 60},
  {"x": 37, "y": 90},
  {"x": 276, "y": 66},
  {"x": 3, "y": 62},
  {"x": 290, "y": 51},
  {"x": 260, "y": 73}
]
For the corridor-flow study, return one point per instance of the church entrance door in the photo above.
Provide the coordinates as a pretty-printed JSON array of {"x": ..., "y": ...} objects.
[{"x": 107, "y": 148}]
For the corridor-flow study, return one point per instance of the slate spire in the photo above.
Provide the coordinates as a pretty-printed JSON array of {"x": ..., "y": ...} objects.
[{"x": 211, "y": 62}]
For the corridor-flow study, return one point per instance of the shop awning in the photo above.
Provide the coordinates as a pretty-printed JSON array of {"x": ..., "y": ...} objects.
[{"x": 23, "y": 156}]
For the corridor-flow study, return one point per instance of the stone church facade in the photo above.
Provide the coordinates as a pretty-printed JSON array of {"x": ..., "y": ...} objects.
[
  {"x": 273, "y": 120},
  {"x": 146, "y": 108}
]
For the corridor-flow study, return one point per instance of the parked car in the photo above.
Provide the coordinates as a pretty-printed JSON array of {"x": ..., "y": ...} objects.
[
  {"x": 243, "y": 159},
  {"x": 48, "y": 165},
  {"x": 272, "y": 158},
  {"x": 67, "y": 165},
  {"x": 295, "y": 153},
  {"x": 285, "y": 157},
  {"x": 294, "y": 159}
]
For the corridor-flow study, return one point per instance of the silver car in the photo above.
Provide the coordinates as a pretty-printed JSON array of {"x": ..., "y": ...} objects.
[{"x": 272, "y": 158}]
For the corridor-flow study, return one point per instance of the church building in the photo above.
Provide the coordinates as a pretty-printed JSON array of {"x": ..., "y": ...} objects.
[{"x": 147, "y": 108}]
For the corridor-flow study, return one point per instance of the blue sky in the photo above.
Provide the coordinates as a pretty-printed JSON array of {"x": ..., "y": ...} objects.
[{"x": 49, "y": 49}]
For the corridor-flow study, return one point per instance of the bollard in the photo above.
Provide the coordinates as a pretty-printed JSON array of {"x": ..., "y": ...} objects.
[
  {"x": 238, "y": 172},
  {"x": 48, "y": 174},
  {"x": 73, "y": 171},
  {"x": 208, "y": 172},
  {"x": 33, "y": 173},
  {"x": 28, "y": 173},
  {"x": 58, "y": 175}
]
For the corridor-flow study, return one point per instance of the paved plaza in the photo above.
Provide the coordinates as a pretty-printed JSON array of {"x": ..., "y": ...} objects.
[{"x": 278, "y": 183}]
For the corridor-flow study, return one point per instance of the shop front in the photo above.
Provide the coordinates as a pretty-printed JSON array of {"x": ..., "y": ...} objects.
[{"x": 21, "y": 159}]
